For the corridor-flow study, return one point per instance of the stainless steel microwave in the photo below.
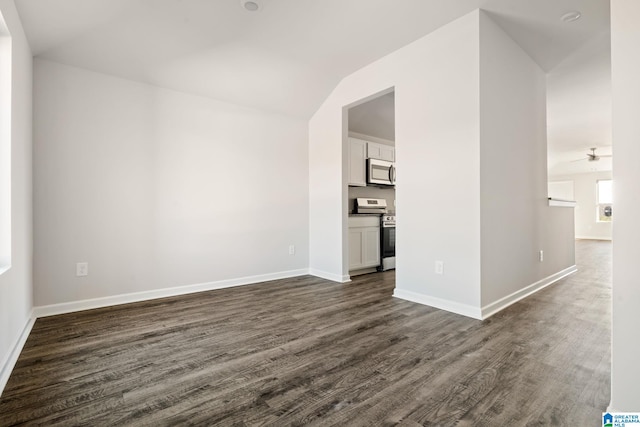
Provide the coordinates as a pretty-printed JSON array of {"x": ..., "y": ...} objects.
[{"x": 381, "y": 172}]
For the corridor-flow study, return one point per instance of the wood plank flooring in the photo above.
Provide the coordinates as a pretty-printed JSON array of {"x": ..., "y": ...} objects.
[{"x": 306, "y": 351}]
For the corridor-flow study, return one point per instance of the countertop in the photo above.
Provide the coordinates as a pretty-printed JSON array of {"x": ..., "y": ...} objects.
[{"x": 372, "y": 214}]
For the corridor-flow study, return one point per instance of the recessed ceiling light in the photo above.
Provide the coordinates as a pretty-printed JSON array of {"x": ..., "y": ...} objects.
[
  {"x": 250, "y": 5},
  {"x": 574, "y": 15}
]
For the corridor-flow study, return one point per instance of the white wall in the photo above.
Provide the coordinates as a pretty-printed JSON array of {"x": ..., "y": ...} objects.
[
  {"x": 437, "y": 201},
  {"x": 15, "y": 284},
  {"x": 438, "y": 192},
  {"x": 625, "y": 65},
  {"x": 516, "y": 221},
  {"x": 157, "y": 189},
  {"x": 561, "y": 190},
  {"x": 5, "y": 146},
  {"x": 437, "y": 151},
  {"x": 585, "y": 193}
]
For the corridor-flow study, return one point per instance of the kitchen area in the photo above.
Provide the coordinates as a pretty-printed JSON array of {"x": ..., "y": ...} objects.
[{"x": 371, "y": 186}]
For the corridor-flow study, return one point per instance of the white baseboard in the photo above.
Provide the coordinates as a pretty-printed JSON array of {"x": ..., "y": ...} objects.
[
  {"x": 496, "y": 306},
  {"x": 70, "y": 307},
  {"x": 10, "y": 362},
  {"x": 443, "y": 304},
  {"x": 592, "y": 238},
  {"x": 330, "y": 276},
  {"x": 489, "y": 309}
]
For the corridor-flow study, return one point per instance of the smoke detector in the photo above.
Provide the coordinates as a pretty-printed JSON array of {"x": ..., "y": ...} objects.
[
  {"x": 250, "y": 5},
  {"x": 574, "y": 15}
]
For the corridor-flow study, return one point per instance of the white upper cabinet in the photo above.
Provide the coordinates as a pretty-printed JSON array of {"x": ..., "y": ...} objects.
[
  {"x": 357, "y": 162},
  {"x": 380, "y": 152},
  {"x": 361, "y": 150}
]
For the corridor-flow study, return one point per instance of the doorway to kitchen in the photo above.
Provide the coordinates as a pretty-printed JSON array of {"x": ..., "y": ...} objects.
[{"x": 370, "y": 184}]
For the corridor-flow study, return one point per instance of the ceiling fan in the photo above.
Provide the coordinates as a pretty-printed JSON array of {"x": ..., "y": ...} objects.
[{"x": 592, "y": 156}]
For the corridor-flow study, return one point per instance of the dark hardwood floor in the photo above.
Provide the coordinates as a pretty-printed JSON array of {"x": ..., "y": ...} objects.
[{"x": 306, "y": 351}]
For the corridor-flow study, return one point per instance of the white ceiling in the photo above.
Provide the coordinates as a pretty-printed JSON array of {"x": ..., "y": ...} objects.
[
  {"x": 375, "y": 117},
  {"x": 579, "y": 109},
  {"x": 288, "y": 56}
]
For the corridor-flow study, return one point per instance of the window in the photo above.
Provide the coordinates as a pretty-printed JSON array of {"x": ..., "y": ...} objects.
[{"x": 605, "y": 200}]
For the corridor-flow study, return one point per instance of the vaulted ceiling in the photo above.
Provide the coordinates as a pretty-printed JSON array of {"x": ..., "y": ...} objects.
[{"x": 290, "y": 54}]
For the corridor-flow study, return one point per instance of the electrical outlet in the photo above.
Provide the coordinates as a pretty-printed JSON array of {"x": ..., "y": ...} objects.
[
  {"x": 541, "y": 256},
  {"x": 292, "y": 249},
  {"x": 82, "y": 269},
  {"x": 439, "y": 267}
]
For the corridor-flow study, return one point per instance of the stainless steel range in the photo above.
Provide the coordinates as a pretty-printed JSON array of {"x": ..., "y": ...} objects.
[
  {"x": 388, "y": 242},
  {"x": 365, "y": 205}
]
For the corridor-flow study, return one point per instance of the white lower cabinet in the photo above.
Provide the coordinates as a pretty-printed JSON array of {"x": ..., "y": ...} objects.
[{"x": 364, "y": 242}]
